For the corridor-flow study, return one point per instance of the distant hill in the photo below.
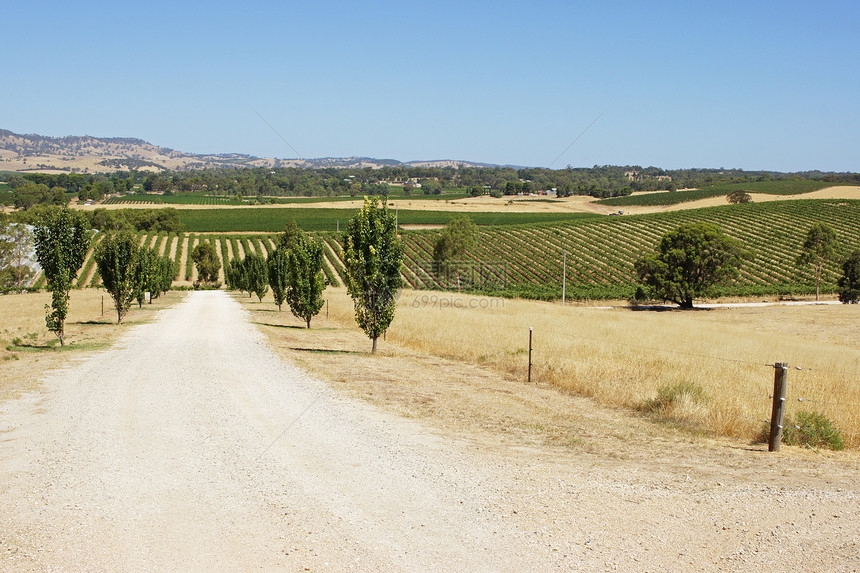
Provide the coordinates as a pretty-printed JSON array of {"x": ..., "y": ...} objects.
[{"x": 87, "y": 154}]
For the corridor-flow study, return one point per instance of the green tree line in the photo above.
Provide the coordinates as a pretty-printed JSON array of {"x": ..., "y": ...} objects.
[{"x": 602, "y": 181}]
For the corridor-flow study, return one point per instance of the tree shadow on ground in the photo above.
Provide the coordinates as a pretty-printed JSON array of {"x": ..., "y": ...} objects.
[
  {"x": 295, "y": 326},
  {"x": 326, "y": 350}
]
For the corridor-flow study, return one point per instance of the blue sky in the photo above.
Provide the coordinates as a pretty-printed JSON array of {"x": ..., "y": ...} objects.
[{"x": 754, "y": 85}]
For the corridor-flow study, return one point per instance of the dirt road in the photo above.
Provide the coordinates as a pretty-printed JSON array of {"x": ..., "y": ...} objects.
[{"x": 190, "y": 446}]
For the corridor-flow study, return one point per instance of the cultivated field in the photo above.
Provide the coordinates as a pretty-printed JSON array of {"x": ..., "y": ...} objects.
[
  {"x": 519, "y": 256},
  {"x": 638, "y": 203}
]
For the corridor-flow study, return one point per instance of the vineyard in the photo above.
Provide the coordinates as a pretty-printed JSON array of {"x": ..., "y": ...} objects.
[
  {"x": 270, "y": 220},
  {"x": 782, "y": 187},
  {"x": 526, "y": 260},
  {"x": 175, "y": 199}
]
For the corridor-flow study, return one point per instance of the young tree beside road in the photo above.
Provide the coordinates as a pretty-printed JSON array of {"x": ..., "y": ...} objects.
[
  {"x": 117, "y": 259},
  {"x": 373, "y": 254},
  {"x": 62, "y": 240},
  {"x": 306, "y": 280}
]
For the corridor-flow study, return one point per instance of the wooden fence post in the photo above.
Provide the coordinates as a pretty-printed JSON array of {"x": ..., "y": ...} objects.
[
  {"x": 780, "y": 383},
  {"x": 530, "y": 354}
]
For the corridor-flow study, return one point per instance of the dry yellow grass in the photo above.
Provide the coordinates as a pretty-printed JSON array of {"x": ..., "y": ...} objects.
[{"x": 623, "y": 358}]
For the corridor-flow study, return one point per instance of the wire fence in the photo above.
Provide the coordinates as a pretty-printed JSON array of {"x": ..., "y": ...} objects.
[{"x": 806, "y": 389}]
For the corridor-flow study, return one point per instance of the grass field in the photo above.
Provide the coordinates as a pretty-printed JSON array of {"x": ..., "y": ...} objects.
[
  {"x": 714, "y": 366},
  {"x": 782, "y": 187}
]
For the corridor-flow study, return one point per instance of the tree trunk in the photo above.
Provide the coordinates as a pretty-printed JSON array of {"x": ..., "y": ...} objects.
[
  {"x": 817, "y": 282},
  {"x": 687, "y": 303},
  {"x": 309, "y": 323},
  {"x": 373, "y": 350}
]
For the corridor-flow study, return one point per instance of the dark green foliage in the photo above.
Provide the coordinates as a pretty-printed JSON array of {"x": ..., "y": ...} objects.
[
  {"x": 208, "y": 264},
  {"x": 256, "y": 273},
  {"x": 373, "y": 255},
  {"x": 849, "y": 282},
  {"x": 279, "y": 274},
  {"x": 117, "y": 258},
  {"x": 738, "y": 196},
  {"x": 154, "y": 220},
  {"x": 455, "y": 240},
  {"x": 177, "y": 255},
  {"x": 166, "y": 272},
  {"x": 144, "y": 274},
  {"x": 234, "y": 275},
  {"x": 306, "y": 281},
  {"x": 820, "y": 247},
  {"x": 288, "y": 239},
  {"x": 811, "y": 430},
  {"x": 62, "y": 239},
  {"x": 689, "y": 261},
  {"x": 189, "y": 261},
  {"x": 153, "y": 274},
  {"x": 451, "y": 247}
]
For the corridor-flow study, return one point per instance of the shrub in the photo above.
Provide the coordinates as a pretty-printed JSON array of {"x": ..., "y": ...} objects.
[{"x": 811, "y": 430}]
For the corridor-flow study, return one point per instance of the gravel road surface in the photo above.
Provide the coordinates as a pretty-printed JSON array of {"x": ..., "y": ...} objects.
[{"x": 189, "y": 446}]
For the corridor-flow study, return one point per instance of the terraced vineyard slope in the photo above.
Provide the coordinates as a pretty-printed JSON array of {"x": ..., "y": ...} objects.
[{"x": 526, "y": 260}]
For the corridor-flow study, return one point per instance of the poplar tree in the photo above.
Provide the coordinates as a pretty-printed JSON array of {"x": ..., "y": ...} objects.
[
  {"x": 256, "y": 275},
  {"x": 62, "y": 240},
  {"x": 306, "y": 280},
  {"x": 373, "y": 255},
  {"x": 279, "y": 274},
  {"x": 146, "y": 275},
  {"x": 117, "y": 259}
]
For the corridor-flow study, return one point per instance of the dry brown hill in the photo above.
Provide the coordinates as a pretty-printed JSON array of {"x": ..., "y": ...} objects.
[{"x": 87, "y": 154}]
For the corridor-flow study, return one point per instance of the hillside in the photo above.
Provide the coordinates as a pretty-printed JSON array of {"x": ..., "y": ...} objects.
[
  {"x": 526, "y": 259},
  {"x": 87, "y": 154}
]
